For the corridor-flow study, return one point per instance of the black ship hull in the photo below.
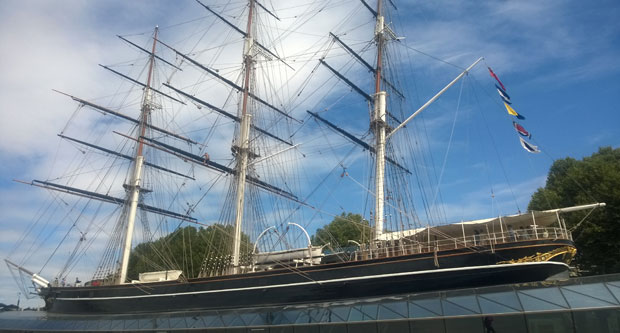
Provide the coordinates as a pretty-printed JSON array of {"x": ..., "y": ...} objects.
[{"x": 450, "y": 269}]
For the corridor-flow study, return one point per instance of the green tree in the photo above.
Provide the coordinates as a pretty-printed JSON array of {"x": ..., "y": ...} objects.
[
  {"x": 342, "y": 229},
  {"x": 594, "y": 179},
  {"x": 188, "y": 249}
]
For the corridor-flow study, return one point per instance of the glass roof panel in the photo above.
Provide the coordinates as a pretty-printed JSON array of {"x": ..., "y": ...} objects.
[
  {"x": 103, "y": 324},
  {"x": 506, "y": 298},
  {"x": 338, "y": 314},
  {"x": 451, "y": 309},
  {"x": 303, "y": 318},
  {"x": 614, "y": 288},
  {"x": 251, "y": 318},
  {"x": 492, "y": 307},
  {"x": 587, "y": 296},
  {"x": 468, "y": 302},
  {"x": 550, "y": 295},
  {"x": 424, "y": 308},
  {"x": 317, "y": 314},
  {"x": 286, "y": 317},
  {"x": 131, "y": 324},
  {"x": 117, "y": 324},
  {"x": 393, "y": 310},
  {"x": 210, "y": 320},
  {"x": 147, "y": 323},
  {"x": 369, "y": 311},
  {"x": 536, "y": 304},
  {"x": 232, "y": 319},
  {"x": 356, "y": 314}
]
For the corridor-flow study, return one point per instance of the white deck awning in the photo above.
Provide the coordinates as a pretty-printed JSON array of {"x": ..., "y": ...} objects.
[{"x": 544, "y": 218}]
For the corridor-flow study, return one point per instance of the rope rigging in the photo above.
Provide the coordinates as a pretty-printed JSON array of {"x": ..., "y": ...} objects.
[{"x": 328, "y": 174}]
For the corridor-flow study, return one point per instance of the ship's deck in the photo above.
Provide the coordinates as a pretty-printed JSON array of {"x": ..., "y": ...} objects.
[{"x": 588, "y": 304}]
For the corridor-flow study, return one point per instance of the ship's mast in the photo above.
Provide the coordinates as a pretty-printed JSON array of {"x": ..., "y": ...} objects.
[
  {"x": 133, "y": 188},
  {"x": 378, "y": 124},
  {"x": 243, "y": 141}
]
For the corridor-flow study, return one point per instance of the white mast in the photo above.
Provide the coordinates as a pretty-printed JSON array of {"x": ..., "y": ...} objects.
[
  {"x": 378, "y": 124},
  {"x": 133, "y": 188},
  {"x": 243, "y": 141}
]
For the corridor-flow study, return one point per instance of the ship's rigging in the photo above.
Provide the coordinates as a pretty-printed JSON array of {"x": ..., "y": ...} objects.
[{"x": 274, "y": 174}]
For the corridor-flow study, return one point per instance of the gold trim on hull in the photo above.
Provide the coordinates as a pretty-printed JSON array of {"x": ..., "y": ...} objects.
[{"x": 568, "y": 253}]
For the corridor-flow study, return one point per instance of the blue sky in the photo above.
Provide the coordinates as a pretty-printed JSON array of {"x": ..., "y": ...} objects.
[{"x": 558, "y": 60}]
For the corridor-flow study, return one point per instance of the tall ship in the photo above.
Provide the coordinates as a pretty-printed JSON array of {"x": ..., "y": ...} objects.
[{"x": 199, "y": 182}]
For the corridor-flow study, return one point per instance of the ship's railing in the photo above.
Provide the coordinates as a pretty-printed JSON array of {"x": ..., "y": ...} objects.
[
  {"x": 411, "y": 246},
  {"x": 509, "y": 236}
]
